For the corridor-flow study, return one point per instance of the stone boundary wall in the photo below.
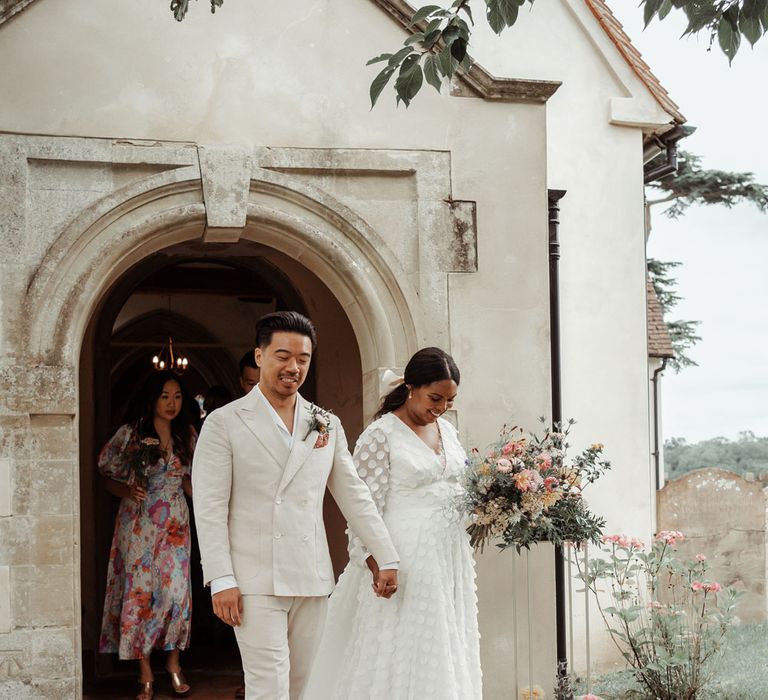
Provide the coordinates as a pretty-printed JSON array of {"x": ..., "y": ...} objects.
[{"x": 723, "y": 516}]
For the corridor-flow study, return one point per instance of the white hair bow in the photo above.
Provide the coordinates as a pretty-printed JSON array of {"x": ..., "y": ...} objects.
[{"x": 389, "y": 381}]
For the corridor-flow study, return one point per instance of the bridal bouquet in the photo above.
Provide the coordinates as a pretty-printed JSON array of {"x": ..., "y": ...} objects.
[{"x": 525, "y": 490}]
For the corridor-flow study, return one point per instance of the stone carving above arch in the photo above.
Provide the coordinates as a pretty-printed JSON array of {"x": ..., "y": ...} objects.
[{"x": 144, "y": 217}]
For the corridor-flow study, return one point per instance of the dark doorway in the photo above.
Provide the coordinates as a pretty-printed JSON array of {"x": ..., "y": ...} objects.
[{"x": 208, "y": 302}]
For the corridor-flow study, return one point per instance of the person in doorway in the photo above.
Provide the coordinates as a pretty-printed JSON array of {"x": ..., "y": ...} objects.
[
  {"x": 249, "y": 372},
  {"x": 425, "y": 643},
  {"x": 260, "y": 471},
  {"x": 216, "y": 397},
  {"x": 147, "y": 464}
]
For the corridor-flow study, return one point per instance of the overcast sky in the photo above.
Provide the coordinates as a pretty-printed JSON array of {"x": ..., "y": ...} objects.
[{"x": 724, "y": 252}]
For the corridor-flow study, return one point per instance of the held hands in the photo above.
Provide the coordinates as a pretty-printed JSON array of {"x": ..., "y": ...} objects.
[
  {"x": 228, "y": 606},
  {"x": 384, "y": 582}
]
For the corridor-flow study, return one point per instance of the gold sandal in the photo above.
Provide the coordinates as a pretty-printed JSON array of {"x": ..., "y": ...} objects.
[
  {"x": 178, "y": 682},
  {"x": 146, "y": 692}
]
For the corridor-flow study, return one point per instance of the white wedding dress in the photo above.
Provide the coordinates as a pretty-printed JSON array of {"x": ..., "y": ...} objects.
[{"x": 423, "y": 643}]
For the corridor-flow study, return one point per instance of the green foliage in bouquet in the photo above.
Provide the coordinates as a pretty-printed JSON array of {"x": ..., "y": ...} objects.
[
  {"x": 665, "y": 616},
  {"x": 524, "y": 490}
]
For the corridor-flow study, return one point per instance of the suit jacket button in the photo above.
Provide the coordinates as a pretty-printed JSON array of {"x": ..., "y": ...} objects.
[
  {"x": 278, "y": 501},
  {"x": 277, "y": 535},
  {"x": 306, "y": 538}
]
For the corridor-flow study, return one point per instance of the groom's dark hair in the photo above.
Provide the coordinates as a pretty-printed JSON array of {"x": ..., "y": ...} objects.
[{"x": 283, "y": 322}]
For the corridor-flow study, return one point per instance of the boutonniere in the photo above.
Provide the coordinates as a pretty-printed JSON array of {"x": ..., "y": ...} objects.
[{"x": 319, "y": 420}]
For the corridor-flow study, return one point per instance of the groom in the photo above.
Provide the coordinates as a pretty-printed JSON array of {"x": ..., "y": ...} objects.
[{"x": 259, "y": 474}]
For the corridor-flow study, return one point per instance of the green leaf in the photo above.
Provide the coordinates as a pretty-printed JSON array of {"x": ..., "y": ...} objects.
[
  {"x": 395, "y": 59},
  {"x": 423, "y": 13},
  {"x": 459, "y": 49},
  {"x": 699, "y": 17},
  {"x": 410, "y": 79},
  {"x": 468, "y": 10},
  {"x": 379, "y": 83},
  {"x": 415, "y": 37},
  {"x": 665, "y": 9},
  {"x": 754, "y": 8},
  {"x": 379, "y": 58},
  {"x": 432, "y": 72},
  {"x": 448, "y": 64},
  {"x": 431, "y": 39},
  {"x": 650, "y": 9},
  {"x": 728, "y": 38},
  {"x": 434, "y": 24},
  {"x": 751, "y": 28},
  {"x": 501, "y": 14}
]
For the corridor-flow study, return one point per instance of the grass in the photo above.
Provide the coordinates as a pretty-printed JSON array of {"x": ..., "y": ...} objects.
[{"x": 740, "y": 672}]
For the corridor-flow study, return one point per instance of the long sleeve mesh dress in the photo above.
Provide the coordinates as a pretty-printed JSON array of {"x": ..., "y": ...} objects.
[{"x": 423, "y": 643}]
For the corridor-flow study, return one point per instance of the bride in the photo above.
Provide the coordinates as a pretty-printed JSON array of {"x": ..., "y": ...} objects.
[{"x": 424, "y": 642}]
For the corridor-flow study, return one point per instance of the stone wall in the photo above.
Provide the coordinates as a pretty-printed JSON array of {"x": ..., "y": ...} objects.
[{"x": 724, "y": 517}]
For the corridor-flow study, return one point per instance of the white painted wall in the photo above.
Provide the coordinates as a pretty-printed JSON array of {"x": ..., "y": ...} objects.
[{"x": 292, "y": 74}]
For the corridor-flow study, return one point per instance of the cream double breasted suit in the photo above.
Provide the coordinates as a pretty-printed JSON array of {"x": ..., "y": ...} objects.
[{"x": 259, "y": 517}]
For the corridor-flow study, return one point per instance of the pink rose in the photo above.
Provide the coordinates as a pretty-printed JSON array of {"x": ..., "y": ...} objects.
[
  {"x": 543, "y": 461},
  {"x": 508, "y": 449},
  {"x": 697, "y": 586},
  {"x": 713, "y": 588},
  {"x": 503, "y": 465}
]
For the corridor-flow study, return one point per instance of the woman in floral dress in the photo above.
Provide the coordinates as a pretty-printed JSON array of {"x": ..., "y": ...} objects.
[{"x": 148, "y": 599}]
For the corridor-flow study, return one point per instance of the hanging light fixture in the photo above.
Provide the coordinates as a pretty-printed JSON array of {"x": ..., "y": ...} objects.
[{"x": 167, "y": 360}]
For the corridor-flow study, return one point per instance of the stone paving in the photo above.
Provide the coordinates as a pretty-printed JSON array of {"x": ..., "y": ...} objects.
[{"x": 204, "y": 687}]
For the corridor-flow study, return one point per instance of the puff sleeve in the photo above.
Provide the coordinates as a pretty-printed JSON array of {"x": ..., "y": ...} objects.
[
  {"x": 113, "y": 462},
  {"x": 371, "y": 458}
]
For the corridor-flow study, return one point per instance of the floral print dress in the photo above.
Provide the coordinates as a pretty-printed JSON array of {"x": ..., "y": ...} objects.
[{"x": 148, "y": 601}]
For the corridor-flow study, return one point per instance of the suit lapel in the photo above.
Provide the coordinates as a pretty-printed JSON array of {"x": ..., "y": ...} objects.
[
  {"x": 258, "y": 419},
  {"x": 302, "y": 444}
]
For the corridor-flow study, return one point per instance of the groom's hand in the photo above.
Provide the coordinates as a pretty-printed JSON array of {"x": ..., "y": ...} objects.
[{"x": 228, "y": 606}]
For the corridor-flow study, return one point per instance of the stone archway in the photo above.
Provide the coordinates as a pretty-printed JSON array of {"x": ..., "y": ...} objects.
[{"x": 111, "y": 236}]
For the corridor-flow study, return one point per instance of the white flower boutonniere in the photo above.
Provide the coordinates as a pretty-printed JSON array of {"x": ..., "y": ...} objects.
[{"x": 319, "y": 420}]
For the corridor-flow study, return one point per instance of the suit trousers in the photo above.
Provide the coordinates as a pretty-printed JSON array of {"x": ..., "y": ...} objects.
[{"x": 278, "y": 638}]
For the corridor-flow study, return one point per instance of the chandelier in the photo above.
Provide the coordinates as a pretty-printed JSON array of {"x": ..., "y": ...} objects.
[{"x": 166, "y": 360}]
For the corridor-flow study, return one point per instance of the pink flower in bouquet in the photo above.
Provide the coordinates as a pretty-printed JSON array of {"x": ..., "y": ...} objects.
[
  {"x": 503, "y": 465},
  {"x": 636, "y": 543},
  {"x": 551, "y": 482},
  {"x": 713, "y": 587},
  {"x": 589, "y": 696},
  {"x": 543, "y": 461},
  {"x": 697, "y": 586},
  {"x": 701, "y": 557},
  {"x": 509, "y": 448},
  {"x": 527, "y": 479}
]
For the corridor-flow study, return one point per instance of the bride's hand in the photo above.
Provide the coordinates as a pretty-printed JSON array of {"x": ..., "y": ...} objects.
[{"x": 386, "y": 583}]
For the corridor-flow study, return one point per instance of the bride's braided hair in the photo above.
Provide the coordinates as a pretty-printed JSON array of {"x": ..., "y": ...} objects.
[{"x": 428, "y": 365}]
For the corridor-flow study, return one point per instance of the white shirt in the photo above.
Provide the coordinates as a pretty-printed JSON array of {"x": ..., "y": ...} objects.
[{"x": 223, "y": 582}]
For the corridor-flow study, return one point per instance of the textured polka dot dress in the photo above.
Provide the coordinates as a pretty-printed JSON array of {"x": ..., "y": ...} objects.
[{"x": 423, "y": 643}]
